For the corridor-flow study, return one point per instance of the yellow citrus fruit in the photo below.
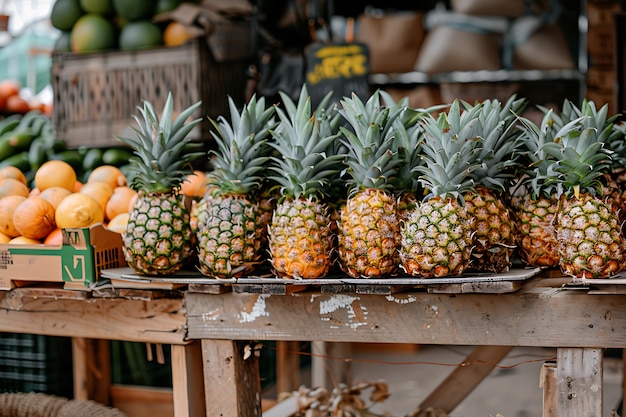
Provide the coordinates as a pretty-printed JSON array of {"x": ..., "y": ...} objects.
[
  {"x": 8, "y": 205},
  {"x": 78, "y": 210},
  {"x": 13, "y": 172},
  {"x": 55, "y": 173},
  {"x": 119, "y": 201},
  {"x": 118, "y": 223},
  {"x": 176, "y": 34},
  {"x": 11, "y": 186},
  {"x": 100, "y": 191},
  {"x": 34, "y": 218},
  {"x": 23, "y": 240},
  {"x": 54, "y": 195},
  {"x": 194, "y": 185},
  {"x": 4, "y": 238},
  {"x": 110, "y": 174}
]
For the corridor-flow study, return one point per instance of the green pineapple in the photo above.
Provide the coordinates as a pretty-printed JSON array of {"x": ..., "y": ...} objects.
[
  {"x": 158, "y": 238},
  {"x": 437, "y": 236},
  {"x": 229, "y": 231},
  {"x": 493, "y": 223},
  {"x": 588, "y": 230},
  {"x": 368, "y": 235},
  {"x": 301, "y": 241}
]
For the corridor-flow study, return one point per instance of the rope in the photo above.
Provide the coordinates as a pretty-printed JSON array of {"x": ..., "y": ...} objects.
[{"x": 43, "y": 405}]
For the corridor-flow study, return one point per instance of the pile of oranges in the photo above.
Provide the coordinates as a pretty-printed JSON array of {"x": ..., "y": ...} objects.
[
  {"x": 12, "y": 102},
  {"x": 58, "y": 200}
]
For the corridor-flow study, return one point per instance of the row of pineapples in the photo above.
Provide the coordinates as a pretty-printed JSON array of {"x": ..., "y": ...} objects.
[{"x": 380, "y": 189}]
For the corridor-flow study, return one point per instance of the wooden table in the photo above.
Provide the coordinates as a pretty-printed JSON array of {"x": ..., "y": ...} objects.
[
  {"x": 580, "y": 321},
  {"x": 92, "y": 321}
]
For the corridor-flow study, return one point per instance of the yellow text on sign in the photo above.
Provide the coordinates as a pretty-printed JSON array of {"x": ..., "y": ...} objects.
[{"x": 338, "y": 62}]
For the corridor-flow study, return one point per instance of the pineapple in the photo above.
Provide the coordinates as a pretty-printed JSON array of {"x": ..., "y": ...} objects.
[
  {"x": 437, "y": 236},
  {"x": 158, "y": 238},
  {"x": 368, "y": 235},
  {"x": 493, "y": 223},
  {"x": 588, "y": 230},
  {"x": 229, "y": 231},
  {"x": 300, "y": 236}
]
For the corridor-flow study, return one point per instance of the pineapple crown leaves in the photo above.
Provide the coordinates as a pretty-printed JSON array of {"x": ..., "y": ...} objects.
[
  {"x": 580, "y": 158},
  {"x": 370, "y": 161},
  {"x": 449, "y": 155},
  {"x": 162, "y": 147},
  {"x": 304, "y": 142},
  {"x": 242, "y": 149}
]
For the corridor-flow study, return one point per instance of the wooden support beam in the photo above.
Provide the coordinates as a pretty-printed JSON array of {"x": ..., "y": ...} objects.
[
  {"x": 579, "y": 382},
  {"x": 188, "y": 380},
  {"x": 91, "y": 359},
  {"x": 233, "y": 386},
  {"x": 478, "y": 364},
  {"x": 547, "y": 381}
]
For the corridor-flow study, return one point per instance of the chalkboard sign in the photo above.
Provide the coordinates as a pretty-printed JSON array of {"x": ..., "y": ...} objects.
[{"x": 342, "y": 68}]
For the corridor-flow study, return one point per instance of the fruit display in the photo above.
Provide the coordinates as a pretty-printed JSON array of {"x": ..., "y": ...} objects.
[
  {"x": 13, "y": 101},
  {"x": 105, "y": 25}
]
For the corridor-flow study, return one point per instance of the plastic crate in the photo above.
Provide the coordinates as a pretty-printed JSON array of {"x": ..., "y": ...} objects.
[
  {"x": 36, "y": 363},
  {"x": 96, "y": 95}
]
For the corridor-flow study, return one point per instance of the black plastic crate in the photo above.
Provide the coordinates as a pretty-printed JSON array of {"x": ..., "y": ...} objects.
[{"x": 36, "y": 363}]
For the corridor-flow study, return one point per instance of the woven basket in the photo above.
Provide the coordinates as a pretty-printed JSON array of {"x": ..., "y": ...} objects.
[{"x": 43, "y": 405}]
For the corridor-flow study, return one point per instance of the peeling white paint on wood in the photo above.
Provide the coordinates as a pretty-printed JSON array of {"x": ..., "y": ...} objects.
[
  {"x": 336, "y": 302},
  {"x": 355, "y": 311},
  {"x": 211, "y": 315},
  {"x": 258, "y": 310},
  {"x": 404, "y": 300}
]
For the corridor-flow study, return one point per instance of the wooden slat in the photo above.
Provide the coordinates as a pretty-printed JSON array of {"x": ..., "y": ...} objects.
[
  {"x": 232, "y": 383},
  {"x": 287, "y": 366},
  {"x": 155, "y": 321},
  {"x": 579, "y": 382},
  {"x": 548, "y": 384},
  {"x": 543, "y": 317},
  {"x": 462, "y": 381},
  {"x": 91, "y": 360},
  {"x": 188, "y": 380}
]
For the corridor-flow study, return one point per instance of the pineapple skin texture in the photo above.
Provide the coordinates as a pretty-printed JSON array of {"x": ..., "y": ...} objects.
[
  {"x": 437, "y": 239},
  {"x": 494, "y": 232},
  {"x": 228, "y": 236},
  {"x": 158, "y": 238},
  {"x": 536, "y": 231},
  {"x": 369, "y": 235},
  {"x": 300, "y": 239},
  {"x": 591, "y": 244}
]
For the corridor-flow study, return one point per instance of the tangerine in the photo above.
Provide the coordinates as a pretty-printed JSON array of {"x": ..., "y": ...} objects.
[
  {"x": 176, "y": 34},
  {"x": 194, "y": 185},
  {"x": 8, "y": 205},
  {"x": 109, "y": 174},
  {"x": 53, "y": 173},
  {"x": 119, "y": 201},
  {"x": 13, "y": 172},
  {"x": 34, "y": 218},
  {"x": 55, "y": 238},
  {"x": 78, "y": 210}
]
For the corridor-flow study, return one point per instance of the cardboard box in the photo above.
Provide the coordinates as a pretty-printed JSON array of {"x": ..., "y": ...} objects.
[{"x": 84, "y": 254}]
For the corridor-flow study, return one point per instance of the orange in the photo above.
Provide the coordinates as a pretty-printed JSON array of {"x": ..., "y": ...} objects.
[
  {"x": 4, "y": 238},
  {"x": 55, "y": 173},
  {"x": 78, "y": 210},
  {"x": 34, "y": 192},
  {"x": 176, "y": 34},
  {"x": 77, "y": 186},
  {"x": 110, "y": 174},
  {"x": 118, "y": 223},
  {"x": 34, "y": 218},
  {"x": 119, "y": 201},
  {"x": 54, "y": 195},
  {"x": 194, "y": 185},
  {"x": 13, "y": 172},
  {"x": 55, "y": 237},
  {"x": 100, "y": 191},
  {"x": 23, "y": 240},
  {"x": 8, "y": 205},
  {"x": 11, "y": 186}
]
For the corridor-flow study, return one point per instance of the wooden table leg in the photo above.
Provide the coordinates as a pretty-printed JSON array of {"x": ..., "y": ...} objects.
[
  {"x": 287, "y": 366},
  {"x": 91, "y": 360},
  {"x": 232, "y": 383},
  {"x": 478, "y": 364},
  {"x": 188, "y": 381},
  {"x": 579, "y": 381}
]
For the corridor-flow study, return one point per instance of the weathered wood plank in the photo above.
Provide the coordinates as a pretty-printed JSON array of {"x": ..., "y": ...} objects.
[
  {"x": 543, "y": 317},
  {"x": 232, "y": 383},
  {"x": 579, "y": 382},
  {"x": 462, "y": 381},
  {"x": 548, "y": 383},
  {"x": 91, "y": 360},
  {"x": 156, "y": 321},
  {"x": 188, "y": 380}
]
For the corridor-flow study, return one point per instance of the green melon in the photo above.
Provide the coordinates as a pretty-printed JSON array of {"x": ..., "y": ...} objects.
[
  {"x": 140, "y": 34},
  {"x": 133, "y": 10},
  {"x": 97, "y": 6},
  {"x": 163, "y": 6},
  {"x": 63, "y": 42},
  {"x": 92, "y": 33},
  {"x": 65, "y": 13}
]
